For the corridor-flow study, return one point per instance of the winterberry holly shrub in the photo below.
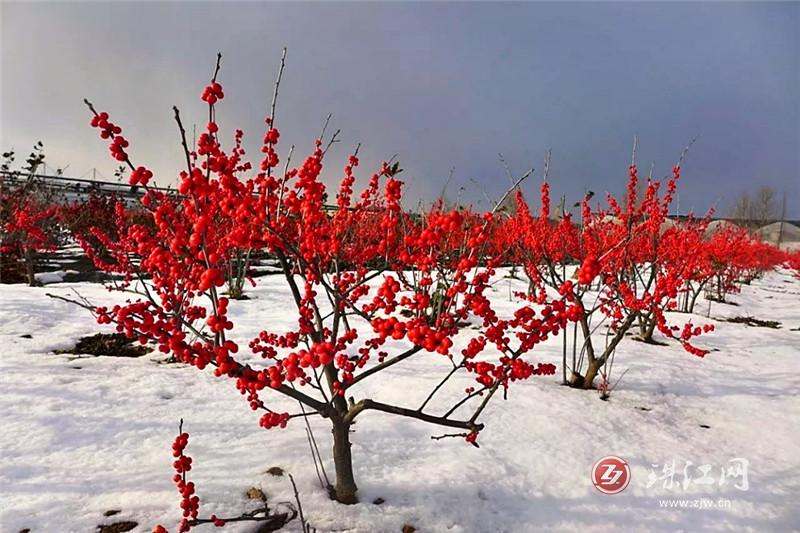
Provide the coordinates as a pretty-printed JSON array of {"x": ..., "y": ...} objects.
[
  {"x": 793, "y": 262},
  {"x": 28, "y": 223},
  {"x": 372, "y": 286},
  {"x": 633, "y": 266},
  {"x": 628, "y": 272}
]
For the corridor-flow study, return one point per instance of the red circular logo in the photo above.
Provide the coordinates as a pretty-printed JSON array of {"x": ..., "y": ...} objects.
[{"x": 611, "y": 475}]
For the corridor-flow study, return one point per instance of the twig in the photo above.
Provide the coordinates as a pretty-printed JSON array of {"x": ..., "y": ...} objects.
[
  {"x": 277, "y": 86},
  {"x": 513, "y": 186},
  {"x": 183, "y": 137},
  {"x": 325, "y": 126},
  {"x": 439, "y": 386},
  {"x": 448, "y": 436},
  {"x": 216, "y": 68},
  {"x": 299, "y": 505}
]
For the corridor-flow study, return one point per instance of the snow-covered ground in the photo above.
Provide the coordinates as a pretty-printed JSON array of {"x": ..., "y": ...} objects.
[{"x": 84, "y": 435}]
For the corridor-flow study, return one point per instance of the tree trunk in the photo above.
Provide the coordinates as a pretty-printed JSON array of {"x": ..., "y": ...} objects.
[
  {"x": 650, "y": 330},
  {"x": 586, "y": 381},
  {"x": 564, "y": 358},
  {"x": 643, "y": 322},
  {"x": 647, "y": 329},
  {"x": 595, "y": 363},
  {"x": 695, "y": 295},
  {"x": 693, "y": 301},
  {"x": 343, "y": 461},
  {"x": 30, "y": 271},
  {"x": 591, "y": 372}
]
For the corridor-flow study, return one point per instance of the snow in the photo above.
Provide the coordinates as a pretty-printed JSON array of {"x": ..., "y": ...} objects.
[
  {"x": 82, "y": 435},
  {"x": 55, "y": 276}
]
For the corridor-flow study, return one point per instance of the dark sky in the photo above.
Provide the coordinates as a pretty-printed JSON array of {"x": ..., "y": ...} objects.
[{"x": 441, "y": 84}]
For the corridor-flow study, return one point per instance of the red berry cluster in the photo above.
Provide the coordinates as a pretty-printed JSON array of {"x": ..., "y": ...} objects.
[
  {"x": 272, "y": 420},
  {"x": 110, "y": 130},
  {"x": 140, "y": 176},
  {"x": 219, "y": 321},
  {"x": 212, "y": 93},
  {"x": 430, "y": 339},
  {"x": 117, "y": 148},
  {"x": 107, "y": 128},
  {"x": 588, "y": 270}
]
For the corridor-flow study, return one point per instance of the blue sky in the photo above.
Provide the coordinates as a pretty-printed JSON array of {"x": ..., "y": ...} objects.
[{"x": 441, "y": 84}]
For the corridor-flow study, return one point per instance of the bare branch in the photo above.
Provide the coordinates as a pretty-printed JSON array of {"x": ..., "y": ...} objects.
[
  {"x": 386, "y": 364},
  {"x": 367, "y": 404},
  {"x": 277, "y": 86},
  {"x": 183, "y": 136}
]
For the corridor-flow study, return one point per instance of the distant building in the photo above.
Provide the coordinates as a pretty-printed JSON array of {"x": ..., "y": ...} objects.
[
  {"x": 666, "y": 225},
  {"x": 718, "y": 225},
  {"x": 783, "y": 234}
]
